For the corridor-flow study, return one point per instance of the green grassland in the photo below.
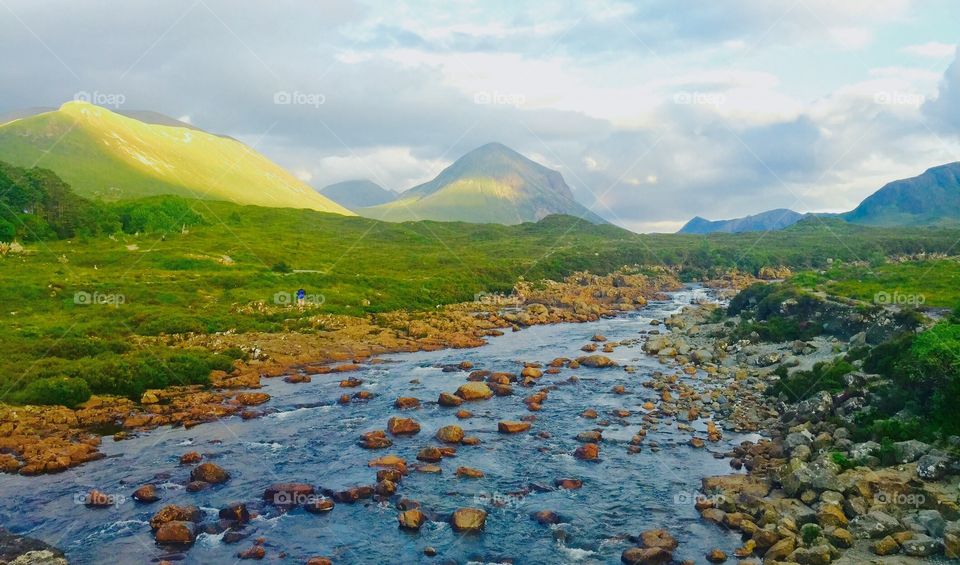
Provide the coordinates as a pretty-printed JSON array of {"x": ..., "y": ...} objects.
[
  {"x": 96, "y": 275},
  {"x": 930, "y": 283}
]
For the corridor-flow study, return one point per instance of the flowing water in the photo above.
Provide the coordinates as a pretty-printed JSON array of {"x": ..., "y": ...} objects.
[{"x": 310, "y": 438}]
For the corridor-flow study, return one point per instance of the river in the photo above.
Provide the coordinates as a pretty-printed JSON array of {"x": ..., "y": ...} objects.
[{"x": 310, "y": 438}]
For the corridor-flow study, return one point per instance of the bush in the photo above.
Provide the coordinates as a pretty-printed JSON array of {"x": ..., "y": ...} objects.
[{"x": 64, "y": 391}]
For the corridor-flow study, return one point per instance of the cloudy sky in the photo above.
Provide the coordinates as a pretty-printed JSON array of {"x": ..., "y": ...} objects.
[{"x": 653, "y": 111}]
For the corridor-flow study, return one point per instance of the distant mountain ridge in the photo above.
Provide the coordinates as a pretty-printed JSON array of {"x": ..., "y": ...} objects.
[
  {"x": 107, "y": 155},
  {"x": 491, "y": 184},
  {"x": 359, "y": 193},
  {"x": 929, "y": 199},
  {"x": 764, "y": 221}
]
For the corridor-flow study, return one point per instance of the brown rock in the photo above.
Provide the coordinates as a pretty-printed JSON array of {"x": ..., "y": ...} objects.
[
  {"x": 376, "y": 439},
  {"x": 464, "y": 414},
  {"x": 447, "y": 399},
  {"x": 430, "y": 455},
  {"x": 146, "y": 494},
  {"x": 468, "y": 520},
  {"x": 209, "y": 473},
  {"x": 175, "y": 513},
  {"x": 253, "y": 552},
  {"x": 568, "y": 484},
  {"x": 658, "y": 538},
  {"x": 469, "y": 473},
  {"x": 406, "y": 402},
  {"x": 587, "y": 452},
  {"x": 546, "y": 517},
  {"x": 646, "y": 556},
  {"x": 178, "y": 532},
  {"x": 411, "y": 519},
  {"x": 474, "y": 391},
  {"x": 589, "y": 413},
  {"x": 352, "y": 382},
  {"x": 885, "y": 546},
  {"x": 252, "y": 398},
  {"x": 450, "y": 434},
  {"x": 716, "y": 556},
  {"x": 319, "y": 505},
  {"x": 402, "y": 426},
  {"x": 511, "y": 427},
  {"x": 190, "y": 457}
]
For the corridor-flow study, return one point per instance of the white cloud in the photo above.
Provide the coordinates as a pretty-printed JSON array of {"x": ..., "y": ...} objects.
[{"x": 932, "y": 49}]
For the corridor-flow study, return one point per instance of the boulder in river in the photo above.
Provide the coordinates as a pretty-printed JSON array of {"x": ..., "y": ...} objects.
[
  {"x": 209, "y": 473},
  {"x": 511, "y": 427},
  {"x": 447, "y": 399},
  {"x": 406, "y": 403},
  {"x": 596, "y": 361},
  {"x": 376, "y": 439},
  {"x": 587, "y": 452},
  {"x": 468, "y": 520},
  {"x": 146, "y": 494},
  {"x": 646, "y": 556},
  {"x": 450, "y": 434},
  {"x": 411, "y": 519},
  {"x": 402, "y": 426},
  {"x": 179, "y": 532},
  {"x": 175, "y": 513},
  {"x": 474, "y": 391}
]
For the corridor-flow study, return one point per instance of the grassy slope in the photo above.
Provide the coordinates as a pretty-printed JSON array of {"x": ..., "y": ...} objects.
[
  {"x": 109, "y": 156},
  {"x": 178, "y": 283},
  {"x": 934, "y": 283}
]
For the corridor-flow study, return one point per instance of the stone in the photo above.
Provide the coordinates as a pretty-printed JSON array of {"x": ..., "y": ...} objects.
[
  {"x": 450, "y": 434},
  {"x": 590, "y": 437},
  {"x": 469, "y": 472},
  {"x": 587, "y": 452},
  {"x": 252, "y": 398},
  {"x": 716, "y": 556},
  {"x": 402, "y": 426},
  {"x": 319, "y": 505},
  {"x": 840, "y": 537},
  {"x": 885, "y": 546},
  {"x": 816, "y": 555},
  {"x": 209, "y": 473},
  {"x": 406, "y": 403},
  {"x": 376, "y": 439},
  {"x": 910, "y": 450},
  {"x": 178, "y": 532},
  {"x": 951, "y": 540},
  {"x": 922, "y": 545},
  {"x": 933, "y": 466},
  {"x": 780, "y": 550},
  {"x": 646, "y": 556},
  {"x": 546, "y": 517},
  {"x": 235, "y": 512},
  {"x": 175, "y": 513},
  {"x": 447, "y": 399},
  {"x": 190, "y": 458},
  {"x": 255, "y": 551},
  {"x": 568, "y": 484},
  {"x": 411, "y": 519},
  {"x": 474, "y": 391},
  {"x": 874, "y": 524},
  {"x": 146, "y": 494},
  {"x": 468, "y": 520},
  {"x": 831, "y": 515},
  {"x": 512, "y": 427},
  {"x": 430, "y": 454},
  {"x": 596, "y": 361},
  {"x": 658, "y": 538}
]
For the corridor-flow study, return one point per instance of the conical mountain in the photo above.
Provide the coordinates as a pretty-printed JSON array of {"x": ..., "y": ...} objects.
[{"x": 491, "y": 184}]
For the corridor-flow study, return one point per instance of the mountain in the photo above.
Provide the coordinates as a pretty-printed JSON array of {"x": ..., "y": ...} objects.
[
  {"x": 491, "y": 184},
  {"x": 110, "y": 156},
  {"x": 764, "y": 221},
  {"x": 355, "y": 194},
  {"x": 929, "y": 199}
]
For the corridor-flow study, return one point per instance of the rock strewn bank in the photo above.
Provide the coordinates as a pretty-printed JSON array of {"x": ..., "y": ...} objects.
[
  {"x": 796, "y": 503},
  {"x": 45, "y": 439}
]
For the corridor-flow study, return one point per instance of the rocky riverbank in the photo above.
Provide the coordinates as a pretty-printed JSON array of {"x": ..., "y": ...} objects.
[
  {"x": 49, "y": 439},
  {"x": 810, "y": 494}
]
